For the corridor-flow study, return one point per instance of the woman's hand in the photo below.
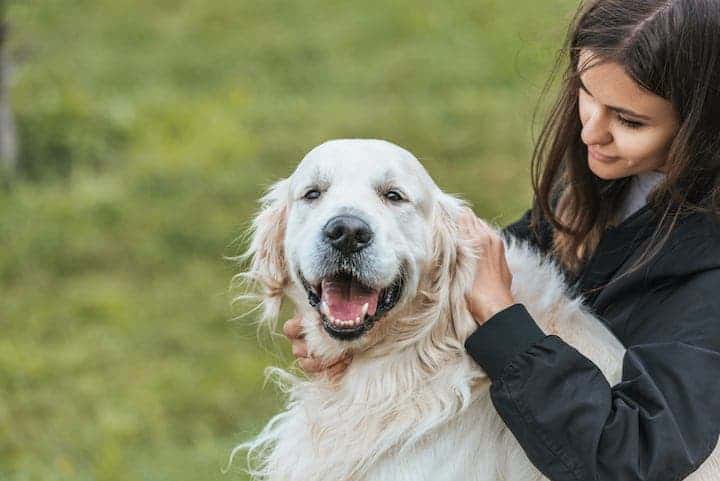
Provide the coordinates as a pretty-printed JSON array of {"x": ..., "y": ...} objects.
[
  {"x": 490, "y": 292},
  {"x": 293, "y": 330}
]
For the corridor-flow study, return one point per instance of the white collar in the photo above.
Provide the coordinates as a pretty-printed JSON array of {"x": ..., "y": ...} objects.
[{"x": 641, "y": 186}]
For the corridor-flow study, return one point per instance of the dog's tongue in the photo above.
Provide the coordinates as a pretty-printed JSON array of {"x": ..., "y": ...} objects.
[{"x": 345, "y": 298}]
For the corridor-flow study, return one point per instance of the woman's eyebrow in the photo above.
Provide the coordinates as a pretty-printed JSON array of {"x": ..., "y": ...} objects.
[{"x": 614, "y": 108}]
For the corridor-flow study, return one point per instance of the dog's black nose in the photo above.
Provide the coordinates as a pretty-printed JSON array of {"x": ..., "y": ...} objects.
[{"x": 347, "y": 233}]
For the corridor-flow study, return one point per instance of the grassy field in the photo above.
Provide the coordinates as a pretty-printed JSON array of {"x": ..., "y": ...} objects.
[{"x": 148, "y": 130}]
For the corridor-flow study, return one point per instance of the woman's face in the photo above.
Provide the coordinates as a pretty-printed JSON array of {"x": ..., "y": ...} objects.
[{"x": 628, "y": 130}]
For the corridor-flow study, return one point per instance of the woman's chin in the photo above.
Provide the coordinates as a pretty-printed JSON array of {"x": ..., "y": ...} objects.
[{"x": 607, "y": 170}]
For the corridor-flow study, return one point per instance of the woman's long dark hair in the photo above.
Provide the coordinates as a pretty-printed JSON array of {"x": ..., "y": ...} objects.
[{"x": 670, "y": 48}]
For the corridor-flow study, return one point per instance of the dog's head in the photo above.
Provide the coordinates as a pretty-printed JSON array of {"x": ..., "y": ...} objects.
[{"x": 366, "y": 246}]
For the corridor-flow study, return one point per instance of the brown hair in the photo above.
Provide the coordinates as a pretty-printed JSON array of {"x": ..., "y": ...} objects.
[{"x": 670, "y": 48}]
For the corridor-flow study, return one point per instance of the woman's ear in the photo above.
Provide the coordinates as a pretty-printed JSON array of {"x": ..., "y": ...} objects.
[{"x": 268, "y": 272}]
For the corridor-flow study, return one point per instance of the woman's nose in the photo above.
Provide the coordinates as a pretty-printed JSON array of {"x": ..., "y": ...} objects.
[{"x": 595, "y": 129}]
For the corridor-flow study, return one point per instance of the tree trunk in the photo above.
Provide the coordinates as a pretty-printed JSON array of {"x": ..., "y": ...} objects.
[{"x": 8, "y": 138}]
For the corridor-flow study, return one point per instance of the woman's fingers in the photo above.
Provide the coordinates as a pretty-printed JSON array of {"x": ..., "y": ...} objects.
[
  {"x": 492, "y": 286},
  {"x": 293, "y": 328},
  {"x": 294, "y": 331},
  {"x": 471, "y": 225},
  {"x": 299, "y": 348},
  {"x": 310, "y": 365},
  {"x": 336, "y": 371},
  {"x": 465, "y": 221},
  {"x": 481, "y": 236}
]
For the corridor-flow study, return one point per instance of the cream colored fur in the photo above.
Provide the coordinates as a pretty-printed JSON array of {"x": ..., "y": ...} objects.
[{"x": 412, "y": 405}]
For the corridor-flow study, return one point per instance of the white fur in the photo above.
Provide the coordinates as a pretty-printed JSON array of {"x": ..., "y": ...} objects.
[{"x": 412, "y": 405}]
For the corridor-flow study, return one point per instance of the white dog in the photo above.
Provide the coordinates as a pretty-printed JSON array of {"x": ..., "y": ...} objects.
[{"x": 366, "y": 246}]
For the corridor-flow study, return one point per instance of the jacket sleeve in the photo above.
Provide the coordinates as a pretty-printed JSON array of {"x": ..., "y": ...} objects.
[{"x": 658, "y": 424}]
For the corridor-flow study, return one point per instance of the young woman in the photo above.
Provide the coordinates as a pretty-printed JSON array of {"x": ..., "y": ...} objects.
[{"x": 626, "y": 176}]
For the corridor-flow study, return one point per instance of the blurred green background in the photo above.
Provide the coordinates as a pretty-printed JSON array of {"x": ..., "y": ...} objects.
[{"x": 148, "y": 130}]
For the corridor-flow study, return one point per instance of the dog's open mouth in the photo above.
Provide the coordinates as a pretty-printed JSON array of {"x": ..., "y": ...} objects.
[{"x": 349, "y": 308}]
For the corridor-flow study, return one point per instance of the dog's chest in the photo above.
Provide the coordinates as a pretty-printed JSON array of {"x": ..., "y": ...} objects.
[{"x": 474, "y": 445}]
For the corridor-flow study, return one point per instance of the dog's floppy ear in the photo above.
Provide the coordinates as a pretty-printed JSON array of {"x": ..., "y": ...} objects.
[
  {"x": 453, "y": 267},
  {"x": 268, "y": 272}
]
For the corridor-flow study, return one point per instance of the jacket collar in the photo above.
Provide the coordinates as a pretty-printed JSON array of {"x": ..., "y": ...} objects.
[
  {"x": 694, "y": 243},
  {"x": 616, "y": 246}
]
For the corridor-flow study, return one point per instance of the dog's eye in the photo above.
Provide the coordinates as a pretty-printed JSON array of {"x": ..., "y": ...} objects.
[
  {"x": 393, "y": 195},
  {"x": 312, "y": 194}
]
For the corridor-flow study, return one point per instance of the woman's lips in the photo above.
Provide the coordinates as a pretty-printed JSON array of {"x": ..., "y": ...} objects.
[{"x": 592, "y": 151}]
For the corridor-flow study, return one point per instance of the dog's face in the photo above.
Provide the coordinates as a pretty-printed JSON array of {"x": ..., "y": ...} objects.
[
  {"x": 357, "y": 231},
  {"x": 358, "y": 222}
]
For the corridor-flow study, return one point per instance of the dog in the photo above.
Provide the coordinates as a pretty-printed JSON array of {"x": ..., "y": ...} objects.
[{"x": 366, "y": 246}]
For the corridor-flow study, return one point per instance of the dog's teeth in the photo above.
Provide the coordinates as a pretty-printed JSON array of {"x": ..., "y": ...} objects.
[
  {"x": 357, "y": 320},
  {"x": 324, "y": 308},
  {"x": 364, "y": 311}
]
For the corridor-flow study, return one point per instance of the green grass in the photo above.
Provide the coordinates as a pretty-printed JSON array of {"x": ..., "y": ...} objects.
[{"x": 149, "y": 129}]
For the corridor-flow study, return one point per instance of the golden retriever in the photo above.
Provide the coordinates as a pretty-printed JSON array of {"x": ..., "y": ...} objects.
[{"x": 367, "y": 248}]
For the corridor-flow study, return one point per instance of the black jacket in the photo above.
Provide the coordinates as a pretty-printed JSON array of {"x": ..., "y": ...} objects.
[{"x": 663, "y": 419}]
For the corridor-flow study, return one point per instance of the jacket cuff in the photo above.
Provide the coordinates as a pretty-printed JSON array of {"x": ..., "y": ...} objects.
[{"x": 506, "y": 334}]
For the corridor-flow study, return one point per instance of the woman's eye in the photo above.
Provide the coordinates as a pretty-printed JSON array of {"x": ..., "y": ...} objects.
[
  {"x": 393, "y": 196},
  {"x": 312, "y": 194},
  {"x": 629, "y": 123}
]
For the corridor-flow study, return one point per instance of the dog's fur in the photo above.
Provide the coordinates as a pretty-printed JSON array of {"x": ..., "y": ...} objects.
[{"x": 412, "y": 404}]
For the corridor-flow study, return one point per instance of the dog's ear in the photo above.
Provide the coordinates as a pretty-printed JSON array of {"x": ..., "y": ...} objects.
[
  {"x": 453, "y": 267},
  {"x": 268, "y": 274}
]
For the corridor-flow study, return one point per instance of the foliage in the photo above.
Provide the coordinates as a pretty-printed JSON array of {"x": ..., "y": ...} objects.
[{"x": 149, "y": 129}]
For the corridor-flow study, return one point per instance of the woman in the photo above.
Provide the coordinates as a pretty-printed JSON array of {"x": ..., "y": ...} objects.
[{"x": 627, "y": 192}]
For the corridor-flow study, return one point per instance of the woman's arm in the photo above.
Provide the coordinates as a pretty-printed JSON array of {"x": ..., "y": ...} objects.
[{"x": 659, "y": 423}]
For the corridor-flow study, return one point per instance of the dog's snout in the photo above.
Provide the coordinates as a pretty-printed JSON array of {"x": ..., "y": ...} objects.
[{"x": 347, "y": 233}]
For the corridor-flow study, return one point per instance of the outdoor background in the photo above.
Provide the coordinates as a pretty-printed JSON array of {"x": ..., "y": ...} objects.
[{"x": 147, "y": 131}]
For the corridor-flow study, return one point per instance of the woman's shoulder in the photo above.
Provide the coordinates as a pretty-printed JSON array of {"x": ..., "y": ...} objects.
[
  {"x": 698, "y": 230},
  {"x": 699, "y": 226},
  {"x": 693, "y": 246}
]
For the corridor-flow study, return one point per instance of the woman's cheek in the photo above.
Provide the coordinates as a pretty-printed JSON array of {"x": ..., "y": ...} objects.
[
  {"x": 629, "y": 147},
  {"x": 584, "y": 108},
  {"x": 639, "y": 149}
]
